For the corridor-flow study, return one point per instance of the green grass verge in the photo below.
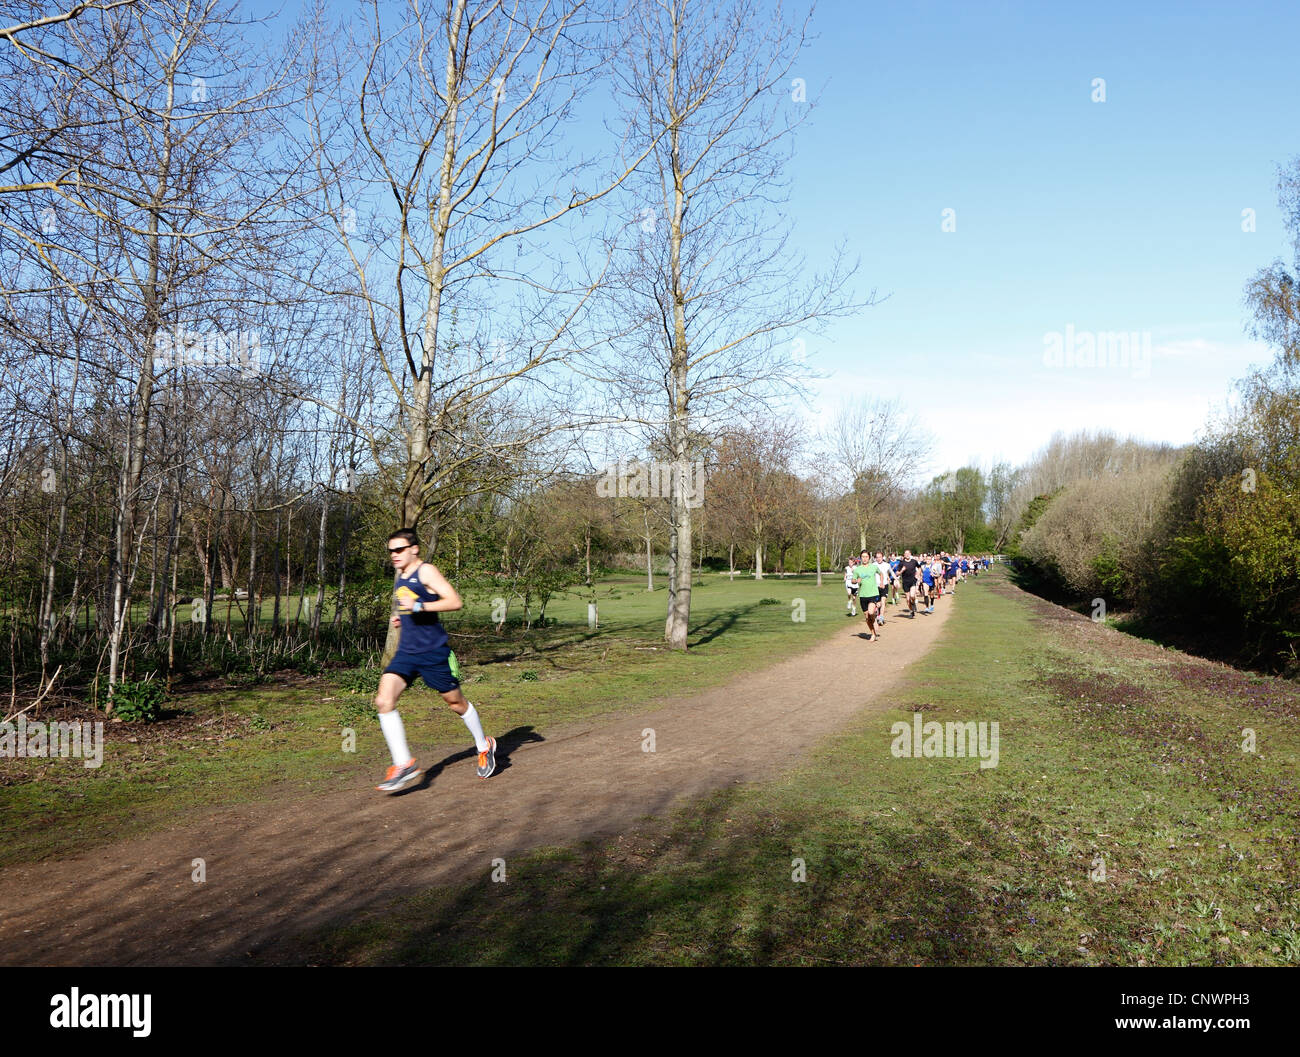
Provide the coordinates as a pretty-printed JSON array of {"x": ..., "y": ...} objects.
[
  {"x": 234, "y": 744},
  {"x": 1124, "y": 824}
]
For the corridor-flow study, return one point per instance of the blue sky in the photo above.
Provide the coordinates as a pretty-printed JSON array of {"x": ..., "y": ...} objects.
[
  {"x": 1072, "y": 215},
  {"x": 1115, "y": 216}
]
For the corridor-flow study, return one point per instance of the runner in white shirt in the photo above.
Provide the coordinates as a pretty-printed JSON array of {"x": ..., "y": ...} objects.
[{"x": 882, "y": 577}]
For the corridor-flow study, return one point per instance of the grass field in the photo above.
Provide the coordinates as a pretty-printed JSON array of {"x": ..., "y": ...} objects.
[
  {"x": 569, "y": 607},
  {"x": 1124, "y": 824},
  {"x": 226, "y": 743}
]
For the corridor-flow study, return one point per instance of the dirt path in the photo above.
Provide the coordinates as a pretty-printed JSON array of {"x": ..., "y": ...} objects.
[{"x": 276, "y": 868}]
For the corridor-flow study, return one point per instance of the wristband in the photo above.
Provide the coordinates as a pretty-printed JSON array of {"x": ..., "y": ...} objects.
[{"x": 417, "y": 607}]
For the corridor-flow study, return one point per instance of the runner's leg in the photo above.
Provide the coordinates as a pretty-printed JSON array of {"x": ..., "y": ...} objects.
[
  {"x": 390, "y": 721},
  {"x": 403, "y": 771},
  {"x": 464, "y": 708}
]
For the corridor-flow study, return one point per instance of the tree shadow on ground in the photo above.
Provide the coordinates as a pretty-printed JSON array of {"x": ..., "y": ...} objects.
[
  {"x": 720, "y": 624},
  {"x": 716, "y": 886}
]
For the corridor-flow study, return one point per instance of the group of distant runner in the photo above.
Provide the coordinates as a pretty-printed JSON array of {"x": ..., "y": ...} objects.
[{"x": 874, "y": 583}]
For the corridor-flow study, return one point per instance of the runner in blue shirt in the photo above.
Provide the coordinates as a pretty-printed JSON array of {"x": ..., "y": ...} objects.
[
  {"x": 927, "y": 581},
  {"x": 421, "y": 593}
]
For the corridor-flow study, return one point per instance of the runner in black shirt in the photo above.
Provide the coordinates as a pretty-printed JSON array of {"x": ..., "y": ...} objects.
[{"x": 907, "y": 573}]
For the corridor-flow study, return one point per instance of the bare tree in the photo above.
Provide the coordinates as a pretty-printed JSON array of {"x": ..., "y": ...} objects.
[
  {"x": 877, "y": 447},
  {"x": 440, "y": 216},
  {"x": 158, "y": 232},
  {"x": 455, "y": 106},
  {"x": 706, "y": 286},
  {"x": 755, "y": 482},
  {"x": 44, "y": 139},
  {"x": 1002, "y": 511}
]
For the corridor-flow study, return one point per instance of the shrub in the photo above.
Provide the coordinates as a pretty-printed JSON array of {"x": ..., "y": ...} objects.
[
  {"x": 1095, "y": 536},
  {"x": 358, "y": 680},
  {"x": 355, "y": 710},
  {"x": 1108, "y": 569},
  {"x": 138, "y": 701}
]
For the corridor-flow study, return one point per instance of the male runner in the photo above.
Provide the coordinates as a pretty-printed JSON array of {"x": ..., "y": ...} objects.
[
  {"x": 868, "y": 580},
  {"x": 851, "y": 585},
  {"x": 884, "y": 575},
  {"x": 422, "y": 593},
  {"x": 927, "y": 578},
  {"x": 907, "y": 573}
]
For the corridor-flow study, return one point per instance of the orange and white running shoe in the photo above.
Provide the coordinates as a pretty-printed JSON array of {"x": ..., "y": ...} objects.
[
  {"x": 398, "y": 778},
  {"x": 487, "y": 759}
]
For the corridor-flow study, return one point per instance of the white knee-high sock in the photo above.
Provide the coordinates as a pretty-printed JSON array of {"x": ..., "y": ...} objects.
[
  {"x": 395, "y": 734},
  {"x": 475, "y": 727}
]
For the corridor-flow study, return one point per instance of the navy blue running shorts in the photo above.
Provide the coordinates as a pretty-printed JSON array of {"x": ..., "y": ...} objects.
[{"x": 439, "y": 670}]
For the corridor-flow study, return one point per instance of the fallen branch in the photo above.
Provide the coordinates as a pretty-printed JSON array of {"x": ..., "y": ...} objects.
[{"x": 35, "y": 704}]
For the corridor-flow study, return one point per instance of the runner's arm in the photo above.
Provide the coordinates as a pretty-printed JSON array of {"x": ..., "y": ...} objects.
[{"x": 448, "y": 598}]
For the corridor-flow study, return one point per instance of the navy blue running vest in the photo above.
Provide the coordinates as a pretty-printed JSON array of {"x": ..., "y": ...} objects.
[{"x": 421, "y": 632}]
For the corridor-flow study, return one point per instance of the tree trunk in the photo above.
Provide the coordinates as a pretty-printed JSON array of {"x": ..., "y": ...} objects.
[
  {"x": 156, "y": 619},
  {"x": 320, "y": 569},
  {"x": 679, "y": 555},
  {"x": 171, "y": 631},
  {"x": 47, "y": 601},
  {"x": 209, "y": 572},
  {"x": 302, "y": 599},
  {"x": 288, "y": 573},
  {"x": 136, "y": 440},
  {"x": 649, "y": 557},
  {"x": 275, "y": 550},
  {"x": 414, "y": 499},
  {"x": 254, "y": 610},
  {"x": 679, "y": 584},
  {"x": 343, "y": 559},
  {"x": 75, "y": 599}
]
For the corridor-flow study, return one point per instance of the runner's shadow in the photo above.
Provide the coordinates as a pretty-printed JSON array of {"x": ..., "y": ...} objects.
[
  {"x": 511, "y": 740},
  {"x": 506, "y": 744}
]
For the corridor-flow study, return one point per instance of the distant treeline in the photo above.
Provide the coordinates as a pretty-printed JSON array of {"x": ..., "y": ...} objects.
[{"x": 1201, "y": 545}]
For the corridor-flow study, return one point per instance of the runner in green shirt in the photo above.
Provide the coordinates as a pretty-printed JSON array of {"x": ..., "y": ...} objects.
[{"x": 867, "y": 575}]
